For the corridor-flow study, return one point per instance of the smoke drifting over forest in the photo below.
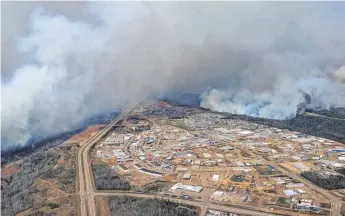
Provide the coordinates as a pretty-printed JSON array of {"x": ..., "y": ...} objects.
[{"x": 66, "y": 62}]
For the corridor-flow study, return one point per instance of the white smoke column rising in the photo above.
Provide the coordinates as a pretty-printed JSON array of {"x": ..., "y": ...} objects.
[
  {"x": 262, "y": 54},
  {"x": 282, "y": 103}
]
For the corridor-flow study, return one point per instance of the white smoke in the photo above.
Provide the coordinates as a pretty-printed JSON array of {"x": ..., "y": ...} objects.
[
  {"x": 340, "y": 74},
  {"x": 280, "y": 103},
  {"x": 257, "y": 57}
]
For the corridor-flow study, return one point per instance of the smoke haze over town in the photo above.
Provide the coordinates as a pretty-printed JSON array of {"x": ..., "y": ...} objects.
[{"x": 64, "y": 62}]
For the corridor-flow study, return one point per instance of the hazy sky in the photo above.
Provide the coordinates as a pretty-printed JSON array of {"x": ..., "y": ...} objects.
[{"x": 65, "y": 61}]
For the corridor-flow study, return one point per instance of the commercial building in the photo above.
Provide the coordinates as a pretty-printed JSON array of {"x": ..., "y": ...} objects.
[
  {"x": 290, "y": 193},
  {"x": 338, "y": 150},
  {"x": 114, "y": 139},
  {"x": 151, "y": 172},
  {"x": 180, "y": 186},
  {"x": 123, "y": 168},
  {"x": 187, "y": 176},
  {"x": 215, "y": 178},
  {"x": 138, "y": 166},
  {"x": 217, "y": 194},
  {"x": 294, "y": 185},
  {"x": 307, "y": 205}
]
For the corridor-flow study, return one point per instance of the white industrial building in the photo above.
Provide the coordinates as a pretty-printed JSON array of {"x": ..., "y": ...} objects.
[
  {"x": 187, "y": 176},
  {"x": 115, "y": 139},
  {"x": 215, "y": 178},
  {"x": 290, "y": 193},
  {"x": 190, "y": 188}
]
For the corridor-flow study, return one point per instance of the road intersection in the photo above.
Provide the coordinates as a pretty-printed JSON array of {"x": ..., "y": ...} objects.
[{"x": 87, "y": 192}]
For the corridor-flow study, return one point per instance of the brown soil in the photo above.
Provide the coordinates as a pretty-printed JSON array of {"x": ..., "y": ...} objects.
[
  {"x": 86, "y": 134},
  {"x": 9, "y": 170},
  {"x": 102, "y": 206}
]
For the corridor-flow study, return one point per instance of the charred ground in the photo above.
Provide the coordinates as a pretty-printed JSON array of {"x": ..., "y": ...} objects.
[{"x": 44, "y": 184}]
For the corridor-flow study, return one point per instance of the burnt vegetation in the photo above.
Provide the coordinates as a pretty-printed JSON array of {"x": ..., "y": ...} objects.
[
  {"x": 34, "y": 147},
  {"x": 130, "y": 206},
  {"x": 65, "y": 174},
  {"x": 330, "y": 181},
  {"x": 23, "y": 190},
  {"x": 108, "y": 179},
  {"x": 44, "y": 143},
  {"x": 16, "y": 194}
]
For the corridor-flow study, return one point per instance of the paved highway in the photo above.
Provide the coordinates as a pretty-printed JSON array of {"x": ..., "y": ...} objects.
[
  {"x": 189, "y": 202},
  {"x": 87, "y": 192}
]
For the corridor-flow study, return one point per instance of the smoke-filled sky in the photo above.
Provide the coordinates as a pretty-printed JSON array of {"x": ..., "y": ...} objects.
[{"x": 65, "y": 61}]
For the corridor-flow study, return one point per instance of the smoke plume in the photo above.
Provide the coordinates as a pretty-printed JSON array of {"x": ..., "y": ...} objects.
[{"x": 252, "y": 58}]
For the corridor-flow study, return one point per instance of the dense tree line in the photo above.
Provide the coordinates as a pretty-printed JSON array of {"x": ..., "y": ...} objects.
[
  {"x": 312, "y": 125},
  {"x": 36, "y": 146},
  {"x": 42, "y": 143},
  {"x": 130, "y": 206},
  {"x": 108, "y": 179},
  {"x": 16, "y": 195},
  {"x": 341, "y": 171},
  {"x": 333, "y": 112},
  {"x": 330, "y": 182}
]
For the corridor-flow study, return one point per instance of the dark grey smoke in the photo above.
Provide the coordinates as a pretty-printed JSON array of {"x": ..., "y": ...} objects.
[{"x": 76, "y": 60}]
